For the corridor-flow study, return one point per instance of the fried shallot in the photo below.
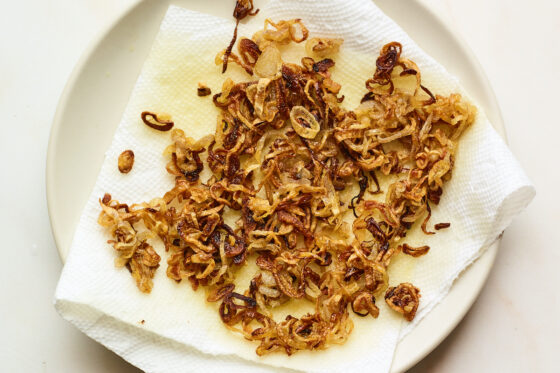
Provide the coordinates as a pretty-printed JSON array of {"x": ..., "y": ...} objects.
[{"x": 292, "y": 163}]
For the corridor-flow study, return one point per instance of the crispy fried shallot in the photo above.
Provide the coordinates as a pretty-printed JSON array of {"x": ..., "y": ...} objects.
[
  {"x": 304, "y": 123},
  {"x": 414, "y": 251},
  {"x": 404, "y": 299},
  {"x": 158, "y": 122},
  {"x": 243, "y": 8},
  {"x": 126, "y": 161},
  {"x": 323, "y": 47},
  {"x": 290, "y": 162},
  {"x": 203, "y": 90},
  {"x": 439, "y": 226}
]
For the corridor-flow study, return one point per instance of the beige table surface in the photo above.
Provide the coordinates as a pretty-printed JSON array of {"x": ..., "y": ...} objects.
[{"x": 512, "y": 327}]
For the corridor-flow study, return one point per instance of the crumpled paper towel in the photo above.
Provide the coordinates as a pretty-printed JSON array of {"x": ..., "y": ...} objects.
[{"x": 180, "y": 332}]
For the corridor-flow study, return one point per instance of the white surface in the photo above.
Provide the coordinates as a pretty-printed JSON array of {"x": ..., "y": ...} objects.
[
  {"x": 516, "y": 309},
  {"x": 82, "y": 294}
]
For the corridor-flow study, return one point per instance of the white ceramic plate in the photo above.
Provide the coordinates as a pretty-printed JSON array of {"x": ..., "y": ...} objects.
[{"x": 97, "y": 92}]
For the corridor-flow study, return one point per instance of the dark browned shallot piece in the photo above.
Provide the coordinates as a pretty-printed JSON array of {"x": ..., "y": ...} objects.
[
  {"x": 243, "y": 8},
  {"x": 439, "y": 226},
  {"x": 404, "y": 299},
  {"x": 203, "y": 90},
  {"x": 126, "y": 161},
  {"x": 364, "y": 304},
  {"x": 300, "y": 173},
  {"x": 161, "y": 123},
  {"x": 415, "y": 251}
]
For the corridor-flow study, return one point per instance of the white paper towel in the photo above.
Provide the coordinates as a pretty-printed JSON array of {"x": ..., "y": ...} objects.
[{"x": 180, "y": 332}]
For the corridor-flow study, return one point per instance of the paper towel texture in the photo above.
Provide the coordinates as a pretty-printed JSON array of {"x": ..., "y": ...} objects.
[{"x": 181, "y": 332}]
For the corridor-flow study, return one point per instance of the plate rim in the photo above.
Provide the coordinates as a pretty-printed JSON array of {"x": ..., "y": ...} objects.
[{"x": 57, "y": 125}]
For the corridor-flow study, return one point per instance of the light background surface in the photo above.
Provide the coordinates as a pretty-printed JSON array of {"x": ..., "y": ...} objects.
[{"x": 513, "y": 326}]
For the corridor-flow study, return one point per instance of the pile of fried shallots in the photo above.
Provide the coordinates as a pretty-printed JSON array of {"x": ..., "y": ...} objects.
[{"x": 295, "y": 166}]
